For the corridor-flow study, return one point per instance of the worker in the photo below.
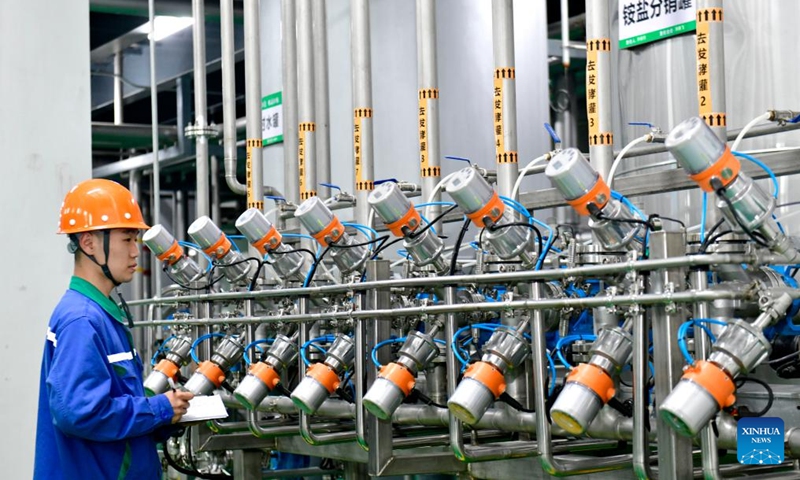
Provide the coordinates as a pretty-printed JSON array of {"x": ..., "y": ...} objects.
[{"x": 94, "y": 418}]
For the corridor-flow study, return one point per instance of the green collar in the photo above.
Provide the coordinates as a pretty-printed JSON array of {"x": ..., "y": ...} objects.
[{"x": 87, "y": 289}]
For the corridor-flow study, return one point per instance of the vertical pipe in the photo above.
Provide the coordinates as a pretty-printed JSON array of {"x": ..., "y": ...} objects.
[
  {"x": 711, "y": 66},
  {"x": 358, "y": 378},
  {"x": 154, "y": 267},
  {"x": 180, "y": 213},
  {"x": 504, "y": 95},
  {"x": 708, "y": 441},
  {"x": 641, "y": 440},
  {"x": 505, "y": 119},
  {"x": 215, "y": 207},
  {"x": 291, "y": 188},
  {"x": 428, "y": 84},
  {"x": 321, "y": 95},
  {"x": 183, "y": 92},
  {"x": 598, "y": 85},
  {"x": 379, "y": 432},
  {"x": 306, "y": 127},
  {"x": 362, "y": 107},
  {"x": 565, "y": 34},
  {"x": 118, "y": 92},
  {"x": 251, "y": 328},
  {"x": 564, "y": 119},
  {"x": 229, "y": 96},
  {"x": 145, "y": 259},
  {"x": 456, "y": 429},
  {"x": 137, "y": 284},
  {"x": 252, "y": 73},
  {"x": 200, "y": 107},
  {"x": 674, "y": 450}
]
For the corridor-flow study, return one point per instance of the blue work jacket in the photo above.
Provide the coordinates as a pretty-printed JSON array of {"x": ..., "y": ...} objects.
[{"x": 94, "y": 419}]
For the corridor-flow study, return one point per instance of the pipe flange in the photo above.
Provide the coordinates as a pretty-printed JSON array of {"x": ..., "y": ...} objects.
[{"x": 196, "y": 131}]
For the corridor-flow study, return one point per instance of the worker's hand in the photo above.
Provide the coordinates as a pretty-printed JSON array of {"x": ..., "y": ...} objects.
[{"x": 180, "y": 403}]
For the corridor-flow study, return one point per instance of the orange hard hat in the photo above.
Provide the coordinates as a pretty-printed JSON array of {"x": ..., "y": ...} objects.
[{"x": 99, "y": 204}]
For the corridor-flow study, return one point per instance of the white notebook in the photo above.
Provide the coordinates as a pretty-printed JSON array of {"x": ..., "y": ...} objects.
[{"x": 204, "y": 407}]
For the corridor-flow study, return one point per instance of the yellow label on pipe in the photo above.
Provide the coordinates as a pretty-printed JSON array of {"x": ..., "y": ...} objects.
[
  {"x": 593, "y": 48},
  {"x": 501, "y": 74},
  {"x": 302, "y": 128},
  {"x": 703, "y": 70},
  {"x": 425, "y": 169},
  {"x": 251, "y": 200},
  {"x": 704, "y": 18},
  {"x": 592, "y": 83},
  {"x": 498, "y": 114},
  {"x": 358, "y": 114}
]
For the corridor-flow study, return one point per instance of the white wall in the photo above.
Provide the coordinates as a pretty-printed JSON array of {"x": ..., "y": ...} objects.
[{"x": 46, "y": 147}]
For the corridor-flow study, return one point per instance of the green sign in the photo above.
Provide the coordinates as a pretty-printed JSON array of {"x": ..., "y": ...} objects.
[
  {"x": 272, "y": 118},
  {"x": 643, "y": 22}
]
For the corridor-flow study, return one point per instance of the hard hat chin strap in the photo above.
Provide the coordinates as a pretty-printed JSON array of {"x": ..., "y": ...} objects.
[
  {"x": 75, "y": 246},
  {"x": 106, "y": 249}
]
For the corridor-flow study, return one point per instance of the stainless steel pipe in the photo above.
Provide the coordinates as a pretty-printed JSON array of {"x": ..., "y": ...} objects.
[
  {"x": 505, "y": 91},
  {"x": 252, "y": 73},
  {"x": 500, "y": 278},
  {"x": 385, "y": 314},
  {"x": 229, "y": 120},
  {"x": 291, "y": 187},
  {"x": 321, "y": 95},
  {"x": 360, "y": 56}
]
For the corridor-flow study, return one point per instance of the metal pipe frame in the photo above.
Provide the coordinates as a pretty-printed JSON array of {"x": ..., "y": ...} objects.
[
  {"x": 675, "y": 450},
  {"x": 386, "y": 314},
  {"x": 305, "y": 423},
  {"x": 378, "y": 439},
  {"x": 754, "y": 259},
  {"x": 472, "y": 453},
  {"x": 552, "y": 465},
  {"x": 202, "y": 200},
  {"x": 641, "y": 438},
  {"x": 361, "y": 428},
  {"x": 607, "y": 425},
  {"x": 702, "y": 348}
]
